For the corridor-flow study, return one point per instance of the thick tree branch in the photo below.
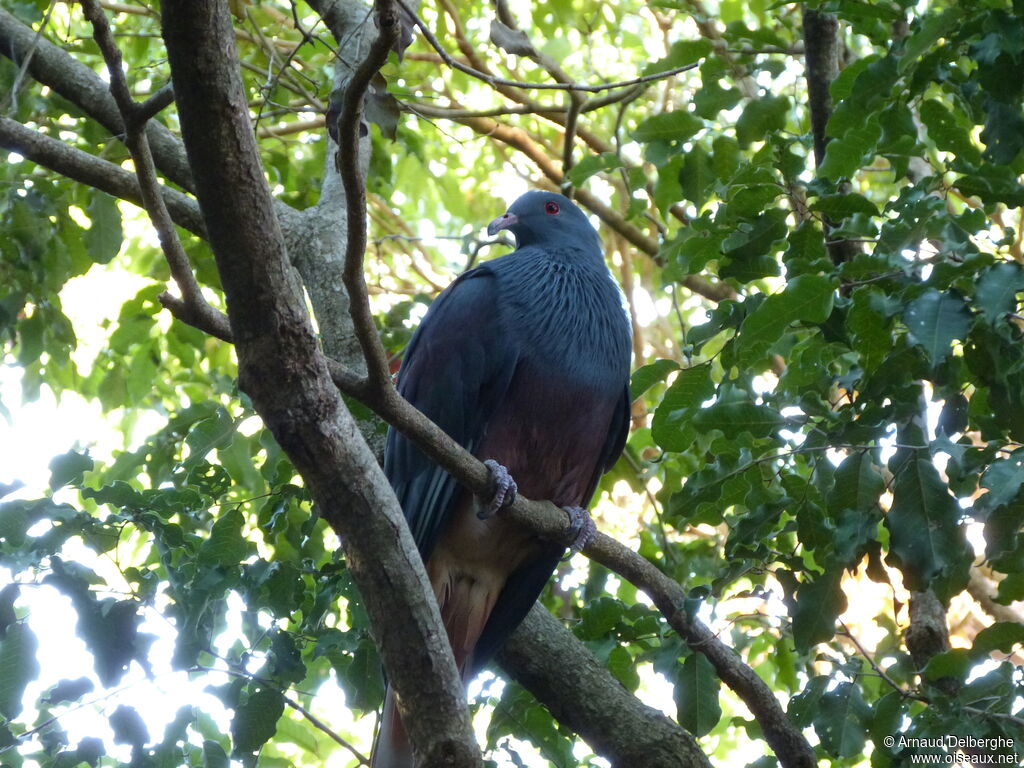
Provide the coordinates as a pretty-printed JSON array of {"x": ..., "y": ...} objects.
[
  {"x": 78, "y": 84},
  {"x": 821, "y": 62},
  {"x": 927, "y": 635},
  {"x": 583, "y": 695},
  {"x": 551, "y": 522},
  {"x": 283, "y": 371},
  {"x": 89, "y": 169}
]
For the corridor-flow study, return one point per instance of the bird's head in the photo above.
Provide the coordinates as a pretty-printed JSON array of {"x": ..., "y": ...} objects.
[{"x": 540, "y": 217}]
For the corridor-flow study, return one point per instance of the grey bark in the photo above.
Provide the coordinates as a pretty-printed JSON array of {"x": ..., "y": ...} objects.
[
  {"x": 283, "y": 371},
  {"x": 616, "y": 724}
]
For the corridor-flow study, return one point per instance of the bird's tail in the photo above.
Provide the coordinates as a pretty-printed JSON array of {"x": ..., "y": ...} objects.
[
  {"x": 465, "y": 607},
  {"x": 392, "y": 748}
]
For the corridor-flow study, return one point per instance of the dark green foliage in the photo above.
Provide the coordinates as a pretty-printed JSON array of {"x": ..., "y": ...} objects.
[{"x": 829, "y": 428}]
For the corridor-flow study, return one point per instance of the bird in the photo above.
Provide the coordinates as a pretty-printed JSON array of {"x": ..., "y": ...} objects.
[{"x": 523, "y": 360}]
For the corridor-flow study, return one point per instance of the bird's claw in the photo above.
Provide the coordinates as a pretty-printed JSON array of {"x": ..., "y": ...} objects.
[
  {"x": 581, "y": 528},
  {"x": 504, "y": 490}
]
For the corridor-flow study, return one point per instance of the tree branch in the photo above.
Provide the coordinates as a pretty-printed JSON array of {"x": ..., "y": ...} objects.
[
  {"x": 315, "y": 721},
  {"x": 347, "y": 159},
  {"x": 501, "y": 81},
  {"x": 552, "y": 523},
  {"x": 78, "y": 84},
  {"x": 88, "y": 169},
  {"x": 583, "y": 695},
  {"x": 821, "y": 67},
  {"x": 135, "y": 117},
  {"x": 283, "y": 371}
]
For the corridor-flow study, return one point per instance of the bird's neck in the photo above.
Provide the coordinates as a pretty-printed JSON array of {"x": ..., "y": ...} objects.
[{"x": 566, "y": 307}]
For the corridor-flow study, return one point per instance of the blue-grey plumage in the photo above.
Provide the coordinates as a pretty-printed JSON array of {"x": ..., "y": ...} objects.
[{"x": 524, "y": 360}]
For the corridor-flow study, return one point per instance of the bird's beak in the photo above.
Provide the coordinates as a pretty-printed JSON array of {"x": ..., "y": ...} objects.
[{"x": 504, "y": 221}]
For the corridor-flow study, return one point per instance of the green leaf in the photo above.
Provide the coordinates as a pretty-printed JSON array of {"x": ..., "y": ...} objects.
[
  {"x": 997, "y": 288},
  {"x": 600, "y": 617},
  {"x": 696, "y": 175},
  {"x": 8, "y": 596},
  {"x": 1002, "y": 636},
  {"x": 1004, "y": 131},
  {"x": 103, "y": 239},
  {"x": 129, "y": 727},
  {"x": 18, "y": 667},
  {"x": 818, "y": 605},
  {"x": 935, "y": 320},
  {"x": 735, "y": 418},
  {"x": 869, "y": 329},
  {"x": 69, "y": 690},
  {"x": 760, "y": 118},
  {"x": 838, "y": 207},
  {"x": 623, "y": 668},
  {"x": 752, "y": 240},
  {"x": 691, "y": 251},
  {"x": 670, "y": 126},
  {"x": 69, "y": 469},
  {"x": 993, "y": 184},
  {"x": 682, "y": 53},
  {"x": 365, "y": 687},
  {"x": 31, "y": 339},
  {"x": 807, "y": 298},
  {"x": 841, "y": 721},
  {"x": 855, "y": 149},
  {"x": 214, "y": 755},
  {"x": 932, "y": 28},
  {"x": 593, "y": 164},
  {"x": 255, "y": 721},
  {"x": 926, "y": 541},
  {"x": 1003, "y": 479},
  {"x": 725, "y": 159},
  {"x": 804, "y": 705},
  {"x": 14, "y": 523},
  {"x": 226, "y": 545},
  {"x": 696, "y": 695},
  {"x": 858, "y": 484},
  {"x": 646, "y": 377},
  {"x": 948, "y": 133},
  {"x": 955, "y": 663},
  {"x": 711, "y": 98},
  {"x": 667, "y": 189},
  {"x": 805, "y": 251},
  {"x": 214, "y": 432},
  {"x": 689, "y": 389}
]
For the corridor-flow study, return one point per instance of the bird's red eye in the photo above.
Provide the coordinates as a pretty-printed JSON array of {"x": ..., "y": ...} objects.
[{"x": 551, "y": 208}]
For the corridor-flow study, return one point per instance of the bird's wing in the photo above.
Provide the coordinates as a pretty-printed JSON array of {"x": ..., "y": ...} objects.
[
  {"x": 525, "y": 585},
  {"x": 456, "y": 371},
  {"x": 617, "y": 435}
]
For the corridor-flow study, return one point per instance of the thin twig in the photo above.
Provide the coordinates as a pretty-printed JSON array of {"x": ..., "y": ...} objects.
[
  {"x": 347, "y": 159},
  {"x": 575, "y": 105},
  {"x": 135, "y": 117},
  {"x": 315, "y": 721},
  {"x": 874, "y": 665},
  {"x": 12, "y": 96},
  {"x": 159, "y": 101},
  {"x": 501, "y": 81}
]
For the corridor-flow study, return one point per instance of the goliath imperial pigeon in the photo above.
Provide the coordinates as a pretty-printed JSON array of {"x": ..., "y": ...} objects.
[{"x": 523, "y": 360}]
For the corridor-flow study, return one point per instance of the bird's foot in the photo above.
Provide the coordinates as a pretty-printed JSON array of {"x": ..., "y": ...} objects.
[
  {"x": 581, "y": 528},
  {"x": 504, "y": 490}
]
